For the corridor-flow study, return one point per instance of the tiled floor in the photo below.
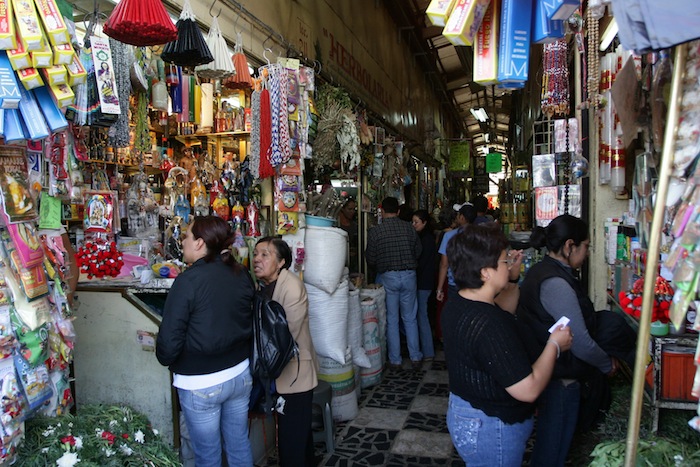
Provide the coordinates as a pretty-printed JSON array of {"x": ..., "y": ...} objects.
[{"x": 401, "y": 422}]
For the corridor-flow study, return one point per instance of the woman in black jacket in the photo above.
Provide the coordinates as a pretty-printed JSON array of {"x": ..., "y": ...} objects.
[
  {"x": 204, "y": 339},
  {"x": 425, "y": 278}
]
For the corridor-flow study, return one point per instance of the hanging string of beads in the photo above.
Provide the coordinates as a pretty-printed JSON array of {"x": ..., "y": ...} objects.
[
  {"x": 593, "y": 60},
  {"x": 555, "y": 79},
  {"x": 567, "y": 170}
]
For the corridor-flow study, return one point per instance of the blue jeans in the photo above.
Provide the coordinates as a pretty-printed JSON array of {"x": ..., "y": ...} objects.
[
  {"x": 216, "y": 413},
  {"x": 485, "y": 441},
  {"x": 400, "y": 287},
  {"x": 424, "y": 331},
  {"x": 557, "y": 413}
]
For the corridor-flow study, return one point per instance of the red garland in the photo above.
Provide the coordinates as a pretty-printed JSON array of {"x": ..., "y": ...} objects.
[
  {"x": 266, "y": 169},
  {"x": 99, "y": 259}
]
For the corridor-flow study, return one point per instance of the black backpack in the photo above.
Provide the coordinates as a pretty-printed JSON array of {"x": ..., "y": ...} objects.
[{"x": 273, "y": 348}]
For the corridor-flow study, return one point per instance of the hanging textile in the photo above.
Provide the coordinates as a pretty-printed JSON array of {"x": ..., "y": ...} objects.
[
  {"x": 274, "y": 82},
  {"x": 283, "y": 122},
  {"x": 254, "y": 154},
  {"x": 241, "y": 79},
  {"x": 266, "y": 169},
  {"x": 121, "y": 55}
]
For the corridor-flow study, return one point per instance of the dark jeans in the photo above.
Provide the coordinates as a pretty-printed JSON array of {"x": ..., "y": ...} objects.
[
  {"x": 557, "y": 412},
  {"x": 294, "y": 437}
]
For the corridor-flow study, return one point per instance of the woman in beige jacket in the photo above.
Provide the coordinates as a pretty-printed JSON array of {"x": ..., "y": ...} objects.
[{"x": 271, "y": 260}]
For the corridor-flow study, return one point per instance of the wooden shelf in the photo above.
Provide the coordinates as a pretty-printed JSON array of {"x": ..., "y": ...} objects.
[{"x": 118, "y": 164}]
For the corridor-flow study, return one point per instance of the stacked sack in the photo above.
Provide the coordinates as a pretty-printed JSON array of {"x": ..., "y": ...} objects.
[{"x": 334, "y": 323}]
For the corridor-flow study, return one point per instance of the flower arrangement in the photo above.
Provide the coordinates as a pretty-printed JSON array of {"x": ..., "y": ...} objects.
[
  {"x": 631, "y": 301},
  {"x": 97, "y": 436},
  {"x": 99, "y": 258}
]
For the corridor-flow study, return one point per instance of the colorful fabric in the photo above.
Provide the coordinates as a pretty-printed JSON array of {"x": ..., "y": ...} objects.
[{"x": 254, "y": 154}]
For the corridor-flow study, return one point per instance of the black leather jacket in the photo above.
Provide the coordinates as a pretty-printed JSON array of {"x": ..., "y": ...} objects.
[{"x": 208, "y": 319}]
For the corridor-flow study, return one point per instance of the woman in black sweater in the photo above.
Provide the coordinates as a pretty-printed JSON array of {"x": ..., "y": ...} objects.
[
  {"x": 493, "y": 380},
  {"x": 204, "y": 339}
]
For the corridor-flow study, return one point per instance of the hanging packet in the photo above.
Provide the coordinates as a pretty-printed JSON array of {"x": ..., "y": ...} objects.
[{"x": 35, "y": 382}]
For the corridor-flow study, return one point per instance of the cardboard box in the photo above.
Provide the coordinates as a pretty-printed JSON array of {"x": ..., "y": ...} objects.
[
  {"x": 561, "y": 9},
  {"x": 545, "y": 29},
  {"x": 486, "y": 46},
  {"x": 30, "y": 78},
  {"x": 464, "y": 21},
  {"x": 19, "y": 57},
  {"x": 32, "y": 116},
  {"x": 55, "y": 27},
  {"x": 514, "y": 41},
  {"x": 677, "y": 373},
  {"x": 13, "y": 126},
  {"x": 8, "y": 38},
  {"x": 439, "y": 10},
  {"x": 62, "y": 94},
  {"x": 55, "y": 119},
  {"x": 63, "y": 54},
  {"x": 28, "y": 26},
  {"x": 56, "y": 74},
  {"x": 76, "y": 71},
  {"x": 9, "y": 88},
  {"x": 42, "y": 58}
]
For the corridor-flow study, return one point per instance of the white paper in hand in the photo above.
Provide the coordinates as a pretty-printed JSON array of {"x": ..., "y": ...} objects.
[{"x": 563, "y": 321}]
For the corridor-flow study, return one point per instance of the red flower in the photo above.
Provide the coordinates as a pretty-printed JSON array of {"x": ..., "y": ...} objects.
[
  {"x": 109, "y": 437},
  {"x": 68, "y": 440},
  {"x": 125, "y": 435}
]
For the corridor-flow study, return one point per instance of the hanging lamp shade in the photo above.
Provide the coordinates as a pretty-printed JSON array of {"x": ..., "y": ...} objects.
[
  {"x": 189, "y": 49},
  {"x": 221, "y": 66},
  {"x": 242, "y": 79},
  {"x": 140, "y": 23}
]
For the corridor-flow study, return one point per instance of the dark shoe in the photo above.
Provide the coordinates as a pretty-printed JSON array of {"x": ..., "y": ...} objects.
[
  {"x": 416, "y": 365},
  {"x": 394, "y": 366}
]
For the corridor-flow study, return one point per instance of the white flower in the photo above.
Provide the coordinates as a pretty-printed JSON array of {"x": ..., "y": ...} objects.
[
  {"x": 68, "y": 459},
  {"x": 126, "y": 450},
  {"x": 109, "y": 452},
  {"x": 113, "y": 423},
  {"x": 49, "y": 432},
  {"x": 98, "y": 432},
  {"x": 124, "y": 419},
  {"x": 78, "y": 442},
  {"x": 155, "y": 432},
  {"x": 70, "y": 424},
  {"x": 139, "y": 437},
  {"x": 44, "y": 450}
]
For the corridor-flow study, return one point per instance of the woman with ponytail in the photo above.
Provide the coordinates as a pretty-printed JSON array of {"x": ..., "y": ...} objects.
[{"x": 204, "y": 339}]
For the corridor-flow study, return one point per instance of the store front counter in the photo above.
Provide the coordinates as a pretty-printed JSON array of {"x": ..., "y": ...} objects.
[{"x": 114, "y": 360}]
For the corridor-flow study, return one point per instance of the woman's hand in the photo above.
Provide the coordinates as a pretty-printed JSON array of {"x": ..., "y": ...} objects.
[
  {"x": 562, "y": 336},
  {"x": 615, "y": 365},
  {"x": 516, "y": 258},
  {"x": 439, "y": 294}
]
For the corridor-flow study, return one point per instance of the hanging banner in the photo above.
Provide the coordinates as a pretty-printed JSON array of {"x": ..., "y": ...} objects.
[
  {"x": 104, "y": 72},
  {"x": 460, "y": 154}
]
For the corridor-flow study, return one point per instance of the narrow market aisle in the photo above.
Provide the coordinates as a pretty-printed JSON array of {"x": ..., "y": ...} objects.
[{"x": 401, "y": 422}]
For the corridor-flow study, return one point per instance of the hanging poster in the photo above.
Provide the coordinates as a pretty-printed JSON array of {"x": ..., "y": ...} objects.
[
  {"x": 99, "y": 211},
  {"x": 460, "y": 157},
  {"x": 545, "y": 205},
  {"x": 104, "y": 73}
]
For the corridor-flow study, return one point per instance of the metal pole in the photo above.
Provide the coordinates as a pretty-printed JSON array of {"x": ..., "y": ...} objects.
[{"x": 680, "y": 54}]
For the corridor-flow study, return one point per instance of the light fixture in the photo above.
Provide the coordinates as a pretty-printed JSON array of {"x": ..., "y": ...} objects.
[
  {"x": 480, "y": 114},
  {"x": 608, "y": 35},
  {"x": 487, "y": 137}
]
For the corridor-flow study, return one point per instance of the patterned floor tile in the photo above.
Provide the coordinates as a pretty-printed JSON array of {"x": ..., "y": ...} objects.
[
  {"x": 430, "y": 422},
  {"x": 387, "y": 419},
  {"x": 368, "y": 439},
  {"x": 421, "y": 443},
  {"x": 391, "y": 401},
  {"x": 430, "y": 404},
  {"x": 436, "y": 376},
  {"x": 352, "y": 457},
  {"x": 439, "y": 365},
  {"x": 435, "y": 389}
]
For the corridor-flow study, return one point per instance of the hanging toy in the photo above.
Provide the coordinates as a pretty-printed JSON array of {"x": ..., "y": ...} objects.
[
  {"x": 253, "y": 218},
  {"x": 579, "y": 166}
]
